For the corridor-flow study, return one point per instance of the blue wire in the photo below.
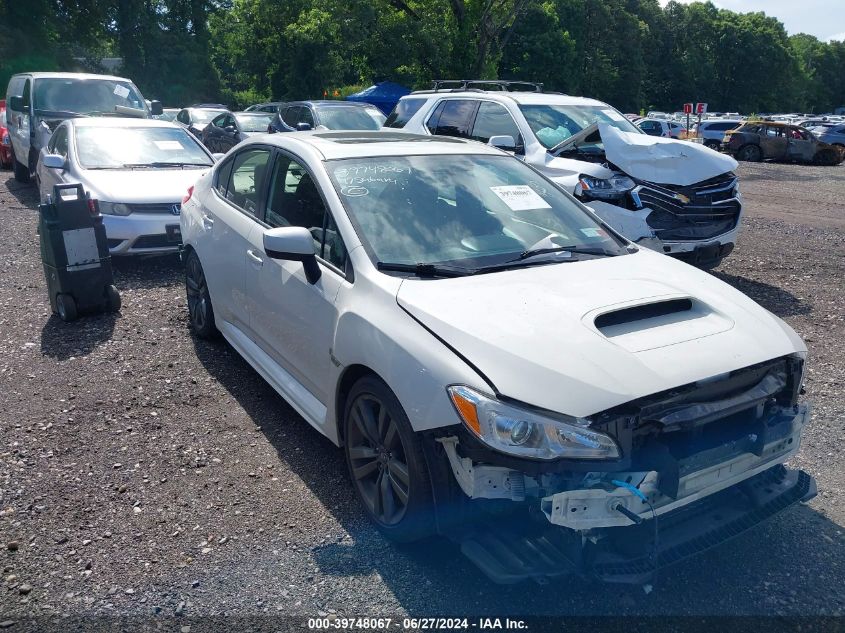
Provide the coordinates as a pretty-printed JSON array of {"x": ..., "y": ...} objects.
[{"x": 638, "y": 493}]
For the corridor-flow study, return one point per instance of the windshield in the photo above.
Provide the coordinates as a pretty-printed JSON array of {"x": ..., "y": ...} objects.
[
  {"x": 86, "y": 96},
  {"x": 168, "y": 114},
  {"x": 114, "y": 148},
  {"x": 254, "y": 122},
  {"x": 204, "y": 116},
  {"x": 351, "y": 118},
  {"x": 468, "y": 211},
  {"x": 553, "y": 124}
]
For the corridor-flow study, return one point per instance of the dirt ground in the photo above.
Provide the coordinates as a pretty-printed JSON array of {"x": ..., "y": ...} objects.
[{"x": 144, "y": 472}]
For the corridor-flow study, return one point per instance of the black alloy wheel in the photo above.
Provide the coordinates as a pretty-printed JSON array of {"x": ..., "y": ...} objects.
[
  {"x": 200, "y": 311},
  {"x": 386, "y": 462}
]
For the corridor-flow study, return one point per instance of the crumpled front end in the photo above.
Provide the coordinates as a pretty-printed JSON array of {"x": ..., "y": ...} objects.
[{"x": 699, "y": 464}]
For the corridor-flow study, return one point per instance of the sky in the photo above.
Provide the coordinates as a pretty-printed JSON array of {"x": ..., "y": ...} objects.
[{"x": 823, "y": 18}]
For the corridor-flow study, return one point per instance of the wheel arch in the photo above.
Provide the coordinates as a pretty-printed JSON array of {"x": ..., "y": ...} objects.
[{"x": 349, "y": 376}]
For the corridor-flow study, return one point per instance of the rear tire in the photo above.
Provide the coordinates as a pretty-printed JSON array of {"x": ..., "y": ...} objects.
[
  {"x": 750, "y": 153},
  {"x": 386, "y": 462},
  {"x": 200, "y": 311},
  {"x": 66, "y": 308},
  {"x": 21, "y": 171}
]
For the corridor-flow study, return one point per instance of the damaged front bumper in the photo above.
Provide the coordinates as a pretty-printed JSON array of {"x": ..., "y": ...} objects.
[
  {"x": 509, "y": 553},
  {"x": 708, "y": 465}
]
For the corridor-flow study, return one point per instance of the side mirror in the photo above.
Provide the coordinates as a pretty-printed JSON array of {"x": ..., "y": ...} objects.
[
  {"x": 230, "y": 129},
  {"x": 217, "y": 156},
  {"x": 17, "y": 104},
  {"x": 155, "y": 108},
  {"x": 54, "y": 161},
  {"x": 303, "y": 127},
  {"x": 293, "y": 243},
  {"x": 502, "y": 142}
]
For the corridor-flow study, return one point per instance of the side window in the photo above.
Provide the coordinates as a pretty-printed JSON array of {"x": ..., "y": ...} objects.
[
  {"x": 402, "y": 113},
  {"x": 58, "y": 142},
  {"x": 224, "y": 173},
  {"x": 291, "y": 116},
  {"x": 493, "y": 119},
  {"x": 219, "y": 121},
  {"x": 182, "y": 117},
  {"x": 456, "y": 117},
  {"x": 434, "y": 117},
  {"x": 229, "y": 120},
  {"x": 26, "y": 90},
  {"x": 306, "y": 117},
  {"x": 249, "y": 170},
  {"x": 295, "y": 201}
]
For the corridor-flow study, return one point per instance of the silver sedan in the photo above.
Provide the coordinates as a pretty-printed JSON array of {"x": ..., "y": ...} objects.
[{"x": 138, "y": 169}]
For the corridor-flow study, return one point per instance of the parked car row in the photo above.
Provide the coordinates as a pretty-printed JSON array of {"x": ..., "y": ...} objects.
[{"x": 463, "y": 301}]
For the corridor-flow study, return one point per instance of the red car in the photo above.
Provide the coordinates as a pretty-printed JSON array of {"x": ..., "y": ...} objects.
[{"x": 5, "y": 141}]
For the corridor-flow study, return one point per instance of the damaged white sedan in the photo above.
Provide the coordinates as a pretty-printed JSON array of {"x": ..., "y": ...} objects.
[{"x": 499, "y": 364}]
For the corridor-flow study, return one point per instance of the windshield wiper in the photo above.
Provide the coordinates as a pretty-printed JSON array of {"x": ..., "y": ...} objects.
[
  {"x": 578, "y": 250},
  {"x": 162, "y": 164},
  {"x": 424, "y": 270}
]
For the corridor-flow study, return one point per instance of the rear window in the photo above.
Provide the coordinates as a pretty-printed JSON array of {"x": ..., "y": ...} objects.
[{"x": 402, "y": 113}]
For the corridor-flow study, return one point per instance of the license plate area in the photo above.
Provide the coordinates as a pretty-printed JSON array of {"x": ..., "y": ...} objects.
[{"x": 174, "y": 233}]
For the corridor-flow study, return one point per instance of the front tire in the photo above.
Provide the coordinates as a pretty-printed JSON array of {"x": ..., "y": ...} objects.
[
  {"x": 200, "y": 311},
  {"x": 386, "y": 462}
]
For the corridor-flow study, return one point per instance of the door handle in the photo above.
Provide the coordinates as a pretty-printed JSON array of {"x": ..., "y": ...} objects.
[
  {"x": 257, "y": 262},
  {"x": 207, "y": 222}
]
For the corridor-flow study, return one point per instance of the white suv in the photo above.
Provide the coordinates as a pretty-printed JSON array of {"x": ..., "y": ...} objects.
[
  {"x": 498, "y": 365},
  {"x": 672, "y": 196}
]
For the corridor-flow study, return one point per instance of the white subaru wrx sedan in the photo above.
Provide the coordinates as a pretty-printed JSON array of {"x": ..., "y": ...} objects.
[
  {"x": 138, "y": 170},
  {"x": 499, "y": 365}
]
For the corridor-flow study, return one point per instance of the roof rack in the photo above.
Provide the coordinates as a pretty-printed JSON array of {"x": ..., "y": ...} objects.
[{"x": 498, "y": 84}]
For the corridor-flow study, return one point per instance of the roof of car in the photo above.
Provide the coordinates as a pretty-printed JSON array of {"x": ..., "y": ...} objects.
[
  {"x": 523, "y": 98},
  {"x": 330, "y": 102},
  {"x": 44, "y": 75},
  {"x": 359, "y": 144},
  {"x": 103, "y": 121}
]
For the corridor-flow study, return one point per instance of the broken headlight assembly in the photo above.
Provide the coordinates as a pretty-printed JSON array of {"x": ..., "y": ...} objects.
[
  {"x": 592, "y": 188},
  {"x": 517, "y": 431}
]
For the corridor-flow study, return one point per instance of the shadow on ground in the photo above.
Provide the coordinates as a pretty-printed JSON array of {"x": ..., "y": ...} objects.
[
  {"x": 786, "y": 566},
  {"x": 78, "y": 338},
  {"x": 776, "y": 300}
]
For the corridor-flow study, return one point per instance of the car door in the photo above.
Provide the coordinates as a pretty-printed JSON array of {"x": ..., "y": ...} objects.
[
  {"x": 773, "y": 141},
  {"x": 18, "y": 120},
  {"x": 801, "y": 145},
  {"x": 292, "y": 320},
  {"x": 58, "y": 145},
  {"x": 493, "y": 119},
  {"x": 214, "y": 132},
  {"x": 230, "y": 214}
]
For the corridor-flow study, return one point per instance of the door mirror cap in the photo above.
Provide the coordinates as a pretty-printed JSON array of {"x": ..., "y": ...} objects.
[
  {"x": 303, "y": 127},
  {"x": 293, "y": 243},
  {"x": 504, "y": 142},
  {"x": 16, "y": 103},
  {"x": 155, "y": 108},
  {"x": 229, "y": 128},
  {"x": 54, "y": 161}
]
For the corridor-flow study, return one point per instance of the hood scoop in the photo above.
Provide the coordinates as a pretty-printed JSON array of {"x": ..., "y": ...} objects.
[
  {"x": 657, "y": 323},
  {"x": 608, "y": 322}
]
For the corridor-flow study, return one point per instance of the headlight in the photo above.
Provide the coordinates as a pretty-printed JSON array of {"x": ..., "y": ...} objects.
[
  {"x": 603, "y": 189},
  {"x": 517, "y": 431},
  {"x": 114, "y": 208}
]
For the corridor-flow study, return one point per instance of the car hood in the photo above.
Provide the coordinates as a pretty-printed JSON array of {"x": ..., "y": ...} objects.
[
  {"x": 140, "y": 185},
  {"x": 532, "y": 332},
  {"x": 662, "y": 160}
]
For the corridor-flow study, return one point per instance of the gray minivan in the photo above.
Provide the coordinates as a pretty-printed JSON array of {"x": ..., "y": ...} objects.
[{"x": 37, "y": 102}]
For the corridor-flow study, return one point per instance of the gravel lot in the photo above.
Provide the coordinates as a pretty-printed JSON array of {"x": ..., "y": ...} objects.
[{"x": 145, "y": 472}]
